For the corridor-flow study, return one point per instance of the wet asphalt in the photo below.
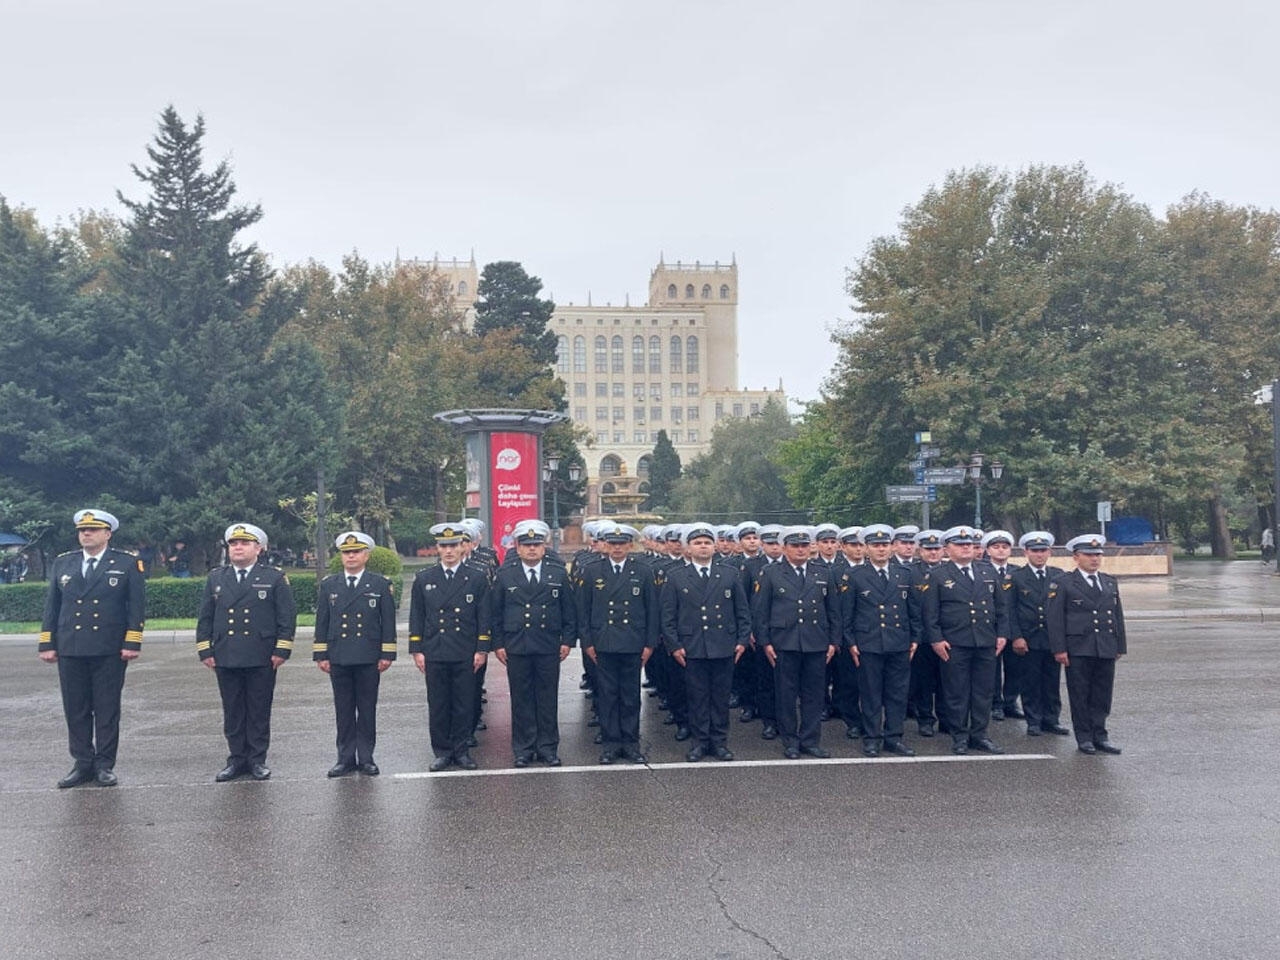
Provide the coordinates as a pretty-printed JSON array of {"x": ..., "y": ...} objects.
[{"x": 1169, "y": 850}]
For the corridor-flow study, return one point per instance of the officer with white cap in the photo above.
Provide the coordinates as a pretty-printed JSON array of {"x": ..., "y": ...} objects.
[
  {"x": 355, "y": 642},
  {"x": 1007, "y": 686},
  {"x": 244, "y": 633},
  {"x": 92, "y": 628},
  {"x": 1042, "y": 675}
]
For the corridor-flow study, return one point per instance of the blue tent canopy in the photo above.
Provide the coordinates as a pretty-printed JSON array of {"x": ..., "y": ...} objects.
[{"x": 12, "y": 540}]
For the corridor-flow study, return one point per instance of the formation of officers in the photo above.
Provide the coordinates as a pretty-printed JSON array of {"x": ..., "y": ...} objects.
[{"x": 794, "y": 626}]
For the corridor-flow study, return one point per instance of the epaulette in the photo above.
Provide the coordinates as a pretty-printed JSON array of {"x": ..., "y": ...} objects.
[{"x": 68, "y": 553}]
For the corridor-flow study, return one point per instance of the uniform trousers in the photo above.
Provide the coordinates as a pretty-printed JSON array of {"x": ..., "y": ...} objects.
[
  {"x": 967, "y": 678},
  {"x": 882, "y": 690},
  {"x": 451, "y": 694},
  {"x": 477, "y": 697},
  {"x": 355, "y": 706},
  {"x": 766, "y": 692},
  {"x": 1010, "y": 674},
  {"x": 534, "y": 679},
  {"x": 847, "y": 691},
  {"x": 1090, "y": 681},
  {"x": 91, "y": 688},
  {"x": 618, "y": 698},
  {"x": 744, "y": 680},
  {"x": 677, "y": 696},
  {"x": 708, "y": 682},
  {"x": 800, "y": 677},
  {"x": 246, "y": 693},
  {"x": 1041, "y": 689},
  {"x": 925, "y": 686}
]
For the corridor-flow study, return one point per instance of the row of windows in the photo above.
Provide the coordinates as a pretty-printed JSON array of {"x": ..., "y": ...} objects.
[
  {"x": 677, "y": 414},
  {"x": 636, "y": 321},
  {"x": 706, "y": 291},
  {"x": 737, "y": 409},
  {"x": 610, "y": 355},
  {"x": 618, "y": 389},
  {"x": 642, "y": 436}
]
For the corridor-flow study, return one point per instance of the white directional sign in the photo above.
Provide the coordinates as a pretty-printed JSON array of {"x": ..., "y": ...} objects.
[
  {"x": 944, "y": 475},
  {"x": 910, "y": 493}
]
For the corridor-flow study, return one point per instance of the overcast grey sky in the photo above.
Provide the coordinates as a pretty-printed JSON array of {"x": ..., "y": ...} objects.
[{"x": 583, "y": 138}]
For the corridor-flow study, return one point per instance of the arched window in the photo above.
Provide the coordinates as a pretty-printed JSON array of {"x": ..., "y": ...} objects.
[
  {"x": 655, "y": 354},
  {"x": 691, "y": 355},
  {"x": 706, "y": 291},
  {"x": 617, "y": 356},
  {"x": 462, "y": 288},
  {"x": 579, "y": 354},
  {"x": 610, "y": 465},
  {"x": 562, "y": 354},
  {"x": 642, "y": 469},
  {"x": 602, "y": 355},
  {"x": 637, "y": 354},
  {"x": 608, "y": 487},
  {"x": 671, "y": 291},
  {"x": 677, "y": 355},
  {"x": 724, "y": 291},
  {"x": 688, "y": 292}
]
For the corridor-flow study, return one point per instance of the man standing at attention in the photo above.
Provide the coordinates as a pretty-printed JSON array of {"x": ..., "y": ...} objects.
[
  {"x": 244, "y": 633},
  {"x": 355, "y": 642},
  {"x": 93, "y": 618}
]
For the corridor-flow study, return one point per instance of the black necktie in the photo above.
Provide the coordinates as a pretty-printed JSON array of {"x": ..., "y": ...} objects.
[
  {"x": 800, "y": 574},
  {"x": 89, "y": 567},
  {"x": 448, "y": 576},
  {"x": 533, "y": 576},
  {"x": 702, "y": 572},
  {"x": 351, "y": 583},
  {"x": 968, "y": 572},
  {"x": 617, "y": 569},
  {"x": 1040, "y": 575},
  {"x": 884, "y": 576},
  {"x": 243, "y": 574},
  {"x": 1093, "y": 581}
]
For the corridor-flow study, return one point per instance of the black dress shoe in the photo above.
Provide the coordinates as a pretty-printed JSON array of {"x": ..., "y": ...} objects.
[
  {"x": 632, "y": 755},
  {"x": 106, "y": 777},
  {"x": 748, "y": 714},
  {"x": 593, "y": 722},
  {"x": 1057, "y": 728},
  {"x": 1013, "y": 713},
  {"x": 791, "y": 753},
  {"x": 607, "y": 757},
  {"x": 926, "y": 729},
  {"x": 984, "y": 745},
  {"x": 1033, "y": 731},
  {"x": 668, "y": 720},
  {"x": 472, "y": 741},
  {"x": 229, "y": 772},
  {"x": 815, "y": 752},
  {"x": 1106, "y": 746},
  {"x": 959, "y": 749},
  {"x": 997, "y": 713},
  {"x": 853, "y": 733},
  {"x": 696, "y": 754},
  {"x": 598, "y": 738},
  {"x": 551, "y": 760},
  {"x": 733, "y": 701},
  {"x": 723, "y": 753},
  {"x": 75, "y": 777},
  {"x": 522, "y": 762},
  {"x": 260, "y": 771},
  {"x": 683, "y": 733},
  {"x": 1088, "y": 748},
  {"x": 370, "y": 769},
  {"x": 442, "y": 763},
  {"x": 870, "y": 750},
  {"x": 341, "y": 769},
  {"x": 464, "y": 761},
  {"x": 898, "y": 748},
  {"x": 768, "y": 732},
  {"x": 826, "y": 714}
]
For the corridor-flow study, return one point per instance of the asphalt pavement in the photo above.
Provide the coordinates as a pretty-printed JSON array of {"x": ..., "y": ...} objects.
[{"x": 1167, "y": 851}]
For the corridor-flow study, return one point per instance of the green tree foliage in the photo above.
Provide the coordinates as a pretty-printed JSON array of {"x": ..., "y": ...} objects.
[
  {"x": 664, "y": 471},
  {"x": 738, "y": 478},
  {"x": 513, "y": 359}
]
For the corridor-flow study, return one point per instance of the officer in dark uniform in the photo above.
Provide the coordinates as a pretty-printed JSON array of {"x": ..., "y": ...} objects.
[
  {"x": 707, "y": 625},
  {"x": 619, "y": 623},
  {"x": 966, "y": 624},
  {"x": 92, "y": 628},
  {"x": 845, "y": 690},
  {"x": 904, "y": 544},
  {"x": 449, "y": 642},
  {"x": 355, "y": 642},
  {"x": 1041, "y": 674},
  {"x": 476, "y": 553},
  {"x": 671, "y": 688},
  {"x": 924, "y": 692},
  {"x": 747, "y": 535},
  {"x": 881, "y": 625},
  {"x": 244, "y": 633},
  {"x": 534, "y": 625},
  {"x": 1086, "y": 635},
  {"x": 797, "y": 617},
  {"x": 997, "y": 545},
  {"x": 766, "y": 680}
]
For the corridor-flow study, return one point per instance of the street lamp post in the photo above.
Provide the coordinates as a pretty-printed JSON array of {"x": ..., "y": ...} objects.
[
  {"x": 976, "y": 461},
  {"x": 551, "y": 476}
]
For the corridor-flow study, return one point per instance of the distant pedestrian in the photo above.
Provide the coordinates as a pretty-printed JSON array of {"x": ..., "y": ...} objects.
[{"x": 1268, "y": 545}]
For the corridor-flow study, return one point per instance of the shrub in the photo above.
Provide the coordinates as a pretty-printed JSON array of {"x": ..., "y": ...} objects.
[{"x": 381, "y": 560}]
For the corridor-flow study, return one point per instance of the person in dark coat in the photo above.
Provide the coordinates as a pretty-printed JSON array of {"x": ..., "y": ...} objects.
[
  {"x": 92, "y": 628},
  {"x": 244, "y": 633},
  {"x": 997, "y": 545},
  {"x": 1086, "y": 635},
  {"x": 1041, "y": 673},
  {"x": 355, "y": 642}
]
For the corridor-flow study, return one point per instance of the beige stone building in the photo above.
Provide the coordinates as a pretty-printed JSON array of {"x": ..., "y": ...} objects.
[{"x": 629, "y": 372}]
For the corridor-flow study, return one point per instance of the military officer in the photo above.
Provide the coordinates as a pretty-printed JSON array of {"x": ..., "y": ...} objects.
[
  {"x": 1087, "y": 636},
  {"x": 881, "y": 621},
  {"x": 1042, "y": 675},
  {"x": 355, "y": 642},
  {"x": 534, "y": 625},
  {"x": 747, "y": 534},
  {"x": 845, "y": 690},
  {"x": 449, "y": 640},
  {"x": 1007, "y": 687},
  {"x": 796, "y": 612},
  {"x": 92, "y": 628},
  {"x": 967, "y": 626},
  {"x": 904, "y": 543},
  {"x": 706, "y": 623},
  {"x": 619, "y": 626},
  {"x": 924, "y": 694},
  {"x": 244, "y": 633},
  {"x": 766, "y": 681}
]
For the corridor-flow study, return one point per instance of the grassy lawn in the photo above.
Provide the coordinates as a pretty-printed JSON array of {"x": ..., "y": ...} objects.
[{"x": 33, "y": 627}]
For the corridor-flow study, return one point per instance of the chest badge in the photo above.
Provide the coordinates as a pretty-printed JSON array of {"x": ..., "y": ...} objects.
[
  {"x": 470, "y": 598},
  {"x": 262, "y": 594},
  {"x": 113, "y": 581},
  {"x": 373, "y": 602}
]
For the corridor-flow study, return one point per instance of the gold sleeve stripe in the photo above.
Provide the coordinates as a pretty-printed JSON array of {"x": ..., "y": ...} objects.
[
  {"x": 320, "y": 647},
  {"x": 133, "y": 636},
  {"x": 388, "y": 648},
  {"x": 285, "y": 644},
  {"x": 484, "y": 636},
  {"x": 203, "y": 644},
  {"x": 415, "y": 639},
  {"x": 46, "y": 637}
]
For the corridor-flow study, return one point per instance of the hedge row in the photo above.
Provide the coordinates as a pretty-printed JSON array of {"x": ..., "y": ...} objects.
[{"x": 167, "y": 597}]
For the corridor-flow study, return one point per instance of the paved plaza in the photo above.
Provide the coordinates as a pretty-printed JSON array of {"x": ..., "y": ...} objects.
[{"x": 1168, "y": 851}]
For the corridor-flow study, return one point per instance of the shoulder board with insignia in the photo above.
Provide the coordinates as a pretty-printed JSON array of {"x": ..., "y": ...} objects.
[{"x": 67, "y": 554}]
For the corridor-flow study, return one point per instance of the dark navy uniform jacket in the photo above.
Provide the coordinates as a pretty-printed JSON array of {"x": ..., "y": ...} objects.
[
  {"x": 789, "y": 615},
  {"x": 355, "y": 626},
  {"x": 449, "y": 619},
  {"x": 964, "y": 612},
  {"x": 1030, "y": 594},
  {"x": 530, "y": 619},
  {"x": 706, "y": 620},
  {"x": 1082, "y": 621},
  {"x": 619, "y": 612},
  {"x": 881, "y": 615},
  {"x": 246, "y": 624},
  {"x": 97, "y": 617}
]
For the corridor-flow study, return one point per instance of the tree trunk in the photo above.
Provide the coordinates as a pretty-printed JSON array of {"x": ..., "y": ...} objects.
[{"x": 1219, "y": 533}]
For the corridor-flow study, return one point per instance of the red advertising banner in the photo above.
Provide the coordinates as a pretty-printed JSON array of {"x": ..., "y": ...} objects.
[{"x": 515, "y": 479}]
